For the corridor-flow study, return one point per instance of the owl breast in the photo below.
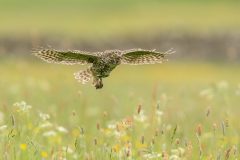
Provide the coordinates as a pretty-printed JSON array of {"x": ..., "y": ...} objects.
[{"x": 103, "y": 67}]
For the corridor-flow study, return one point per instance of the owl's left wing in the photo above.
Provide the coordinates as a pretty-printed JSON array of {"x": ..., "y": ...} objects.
[
  {"x": 140, "y": 56},
  {"x": 69, "y": 57}
]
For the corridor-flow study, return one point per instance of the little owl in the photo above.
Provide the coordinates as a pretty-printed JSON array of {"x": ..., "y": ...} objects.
[{"x": 102, "y": 63}]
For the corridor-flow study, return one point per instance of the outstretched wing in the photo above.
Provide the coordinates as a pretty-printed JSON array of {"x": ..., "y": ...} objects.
[
  {"x": 66, "y": 57},
  {"x": 140, "y": 56}
]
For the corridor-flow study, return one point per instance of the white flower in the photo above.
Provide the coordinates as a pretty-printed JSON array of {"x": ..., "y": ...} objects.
[
  {"x": 62, "y": 129},
  {"x": 67, "y": 149},
  {"x": 207, "y": 93},
  {"x": 178, "y": 152},
  {"x": 152, "y": 155},
  {"x": 22, "y": 106},
  {"x": 46, "y": 125},
  {"x": 119, "y": 134},
  {"x": 159, "y": 113},
  {"x": 44, "y": 116},
  {"x": 174, "y": 157},
  {"x": 140, "y": 117},
  {"x": 222, "y": 85},
  {"x": 49, "y": 134},
  {"x": 3, "y": 127},
  {"x": 159, "y": 116},
  {"x": 75, "y": 156},
  {"x": 111, "y": 126}
]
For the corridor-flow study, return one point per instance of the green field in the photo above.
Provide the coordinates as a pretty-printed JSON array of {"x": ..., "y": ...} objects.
[
  {"x": 95, "y": 19},
  {"x": 184, "y": 109},
  {"x": 188, "y": 110}
]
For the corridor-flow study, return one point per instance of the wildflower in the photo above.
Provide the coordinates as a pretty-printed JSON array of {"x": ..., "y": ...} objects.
[
  {"x": 67, "y": 149},
  {"x": 226, "y": 122},
  {"x": 22, "y": 106},
  {"x": 178, "y": 152},
  {"x": 107, "y": 132},
  {"x": 153, "y": 155},
  {"x": 164, "y": 99},
  {"x": 105, "y": 114},
  {"x": 168, "y": 127},
  {"x": 125, "y": 138},
  {"x": 140, "y": 145},
  {"x": 165, "y": 155},
  {"x": 119, "y": 134},
  {"x": 75, "y": 156},
  {"x": 49, "y": 134},
  {"x": 120, "y": 127},
  {"x": 111, "y": 126},
  {"x": 177, "y": 141},
  {"x": 214, "y": 125},
  {"x": 116, "y": 148},
  {"x": 140, "y": 117},
  {"x": 159, "y": 116},
  {"x": 128, "y": 152},
  {"x": 159, "y": 113},
  {"x": 207, "y": 93},
  {"x": 46, "y": 124},
  {"x": 44, "y": 154},
  {"x": 222, "y": 85},
  {"x": 199, "y": 130},
  {"x": 23, "y": 146},
  {"x": 75, "y": 132},
  {"x": 62, "y": 129},
  {"x": 44, "y": 116},
  {"x": 128, "y": 122},
  {"x": 98, "y": 126},
  {"x": 228, "y": 153},
  {"x": 3, "y": 127},
  {"x": 174, "y": 157}
]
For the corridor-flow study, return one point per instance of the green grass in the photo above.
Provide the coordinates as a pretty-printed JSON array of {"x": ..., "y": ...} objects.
[
  {"x": 181, "y": 103},
  {"x": 92, "y": 19}
]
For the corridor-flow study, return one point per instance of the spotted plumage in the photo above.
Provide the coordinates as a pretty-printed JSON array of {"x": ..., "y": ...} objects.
[{"x": 102, "y": 63}]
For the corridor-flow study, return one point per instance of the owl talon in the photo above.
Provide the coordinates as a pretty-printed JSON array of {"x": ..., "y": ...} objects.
[
  {"x": 99, "y": 86},
  {"x": 98, "y": 83}
]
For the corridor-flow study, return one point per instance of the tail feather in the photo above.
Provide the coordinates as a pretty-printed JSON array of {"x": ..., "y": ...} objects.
[{"x": 83, "y": 76}]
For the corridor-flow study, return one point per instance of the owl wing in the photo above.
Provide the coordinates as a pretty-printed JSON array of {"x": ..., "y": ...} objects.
[
  {"x": 66, "y": 57},
  {"x": 140, "y": 56}
]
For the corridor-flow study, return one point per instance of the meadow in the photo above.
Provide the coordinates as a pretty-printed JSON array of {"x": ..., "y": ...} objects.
[
  {"x": 94, "y": 19},
  {"x": 176, "y": 110},
  {"x": 185, "y": 109}
]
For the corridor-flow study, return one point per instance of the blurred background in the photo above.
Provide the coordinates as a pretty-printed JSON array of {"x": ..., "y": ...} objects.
[
  {"x": 197, "y": 30},
  {"x": 195, "y": 93},
  {"x": 205, "y": 35}
]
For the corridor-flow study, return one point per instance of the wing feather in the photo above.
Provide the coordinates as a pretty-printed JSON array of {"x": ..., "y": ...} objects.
[
  {"x": 140, "y": 56},
  {"x": 66, "y": 57}
]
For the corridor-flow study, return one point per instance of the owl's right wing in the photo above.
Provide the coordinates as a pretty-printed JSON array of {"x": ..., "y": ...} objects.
[
  {"x": 140, "y": 56},
  {"x": 66, "y": 57}
]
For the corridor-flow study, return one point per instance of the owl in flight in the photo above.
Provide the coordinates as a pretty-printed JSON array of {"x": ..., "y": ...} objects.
[{"x": 102, "y": 63}]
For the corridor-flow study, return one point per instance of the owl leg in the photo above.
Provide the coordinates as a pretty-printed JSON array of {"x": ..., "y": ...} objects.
[
  {"x": 83, "y": 76},
  {"x": 97, "y": 82}
]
